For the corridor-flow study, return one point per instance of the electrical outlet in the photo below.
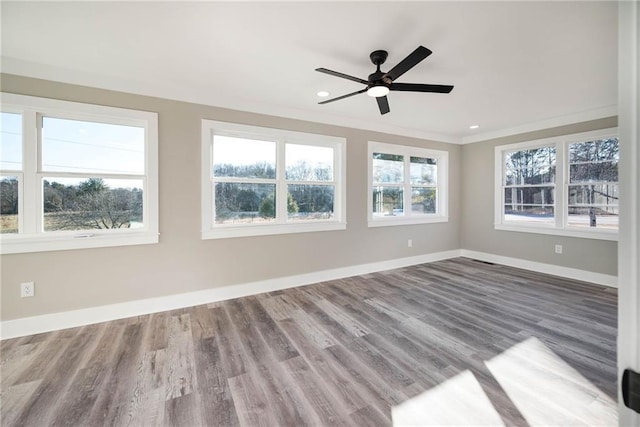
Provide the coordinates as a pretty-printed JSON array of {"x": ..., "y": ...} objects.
[
  {"x": 558, "y": 249},
  {"x": 409, "y": 243},
  {"x": 27, "y": 289}
]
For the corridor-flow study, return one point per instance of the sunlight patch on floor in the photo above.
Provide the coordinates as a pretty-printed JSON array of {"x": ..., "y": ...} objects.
[
  {"x": 456, "y": 402},
  {"x": 544, "y": 388},
  {"x": 547, "y": 390}
]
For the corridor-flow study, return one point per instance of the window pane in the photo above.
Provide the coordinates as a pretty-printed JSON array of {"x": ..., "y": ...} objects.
[
  {"x": 595, "y": 202},
  {"x": 239, "y": 203},
  {"x": 79, "y": 146},
  {"x": 593, "y": 206},
  {"x": 388, "y": 201},
  {"x": 10, "y": 141},
  {"x": 529, "y": 204},
  {"x": 537, "y": 214},
  {"x": 9, "y": 204},
  {"x": 423, "y": 200},
  {"x": 423, "y": 170},
  {"x": 594, "y": 161},
  {"x": 243, "y": 158},
  {"x": 594, "y": 151},
  {"x": 92, "y": 203},
  {"x": 530, "y": 167},
  {"x": 308, "y": 163},
  {"x": 589, "y": 172},
  {"x": 308, "y": 202},
  {"x": 388, "y": 168},
  {"x": 529, "y": 195},
  {"x": 596, "y": 194},
  {"x": 604, "y": 217},
  {"x": 531, "y": 176}
]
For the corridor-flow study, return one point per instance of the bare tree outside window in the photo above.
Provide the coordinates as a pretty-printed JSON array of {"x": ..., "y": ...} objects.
[{"x": 91, "y": 204}]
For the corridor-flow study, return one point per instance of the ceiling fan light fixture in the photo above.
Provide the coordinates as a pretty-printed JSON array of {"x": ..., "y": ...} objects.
[{"x": 377, "y": 91}]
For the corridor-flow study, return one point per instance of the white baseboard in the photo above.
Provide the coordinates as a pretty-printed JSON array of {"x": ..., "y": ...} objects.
[
  {"x": 86, "y": 316},
  {"x": 556, "y": 270}
]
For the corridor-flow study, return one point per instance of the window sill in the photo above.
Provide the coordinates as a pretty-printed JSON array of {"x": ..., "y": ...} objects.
[
  {"x": 16, "y": 244},
  {"x": 231, "y": 231},
  {"x": 389, "y": 221},
  {"x": 568, "y": 232}
]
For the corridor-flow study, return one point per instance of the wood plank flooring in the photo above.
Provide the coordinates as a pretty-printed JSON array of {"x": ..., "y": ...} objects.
[{"x": 451, "y": 342}]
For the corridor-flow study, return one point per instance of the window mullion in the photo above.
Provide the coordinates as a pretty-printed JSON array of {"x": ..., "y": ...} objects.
[
  {"x": 499, "y": 188},
  {"x": 31, "y": 212},
  {"x": 243, "y": 180},
  {"x": 47, "y": 174},
  {"x": 406, "y": 205},
  {"x": 281, "y": 184},
  {"x": 561, "y": 182}
]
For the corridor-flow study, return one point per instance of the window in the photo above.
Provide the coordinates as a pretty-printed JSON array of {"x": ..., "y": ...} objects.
[
  {"x": 259, "y": 181},
  {"x": 76, "y": 175},
  {"x": 566, "y": 185},
  {"x": 407, "y": 185}
]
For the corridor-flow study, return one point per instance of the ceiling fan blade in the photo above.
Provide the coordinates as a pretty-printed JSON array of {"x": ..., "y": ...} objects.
[
  {"x": 344, "y": 76},
  {"x": 383, "y": 104},
  {"x": 343, "y": 96},
  {"x": 409, "y": 62},
  {"x": 417, "y": 87}
]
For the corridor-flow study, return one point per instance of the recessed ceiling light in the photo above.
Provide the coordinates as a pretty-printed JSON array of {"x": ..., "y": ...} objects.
[
  {"x": 474, "y": 126},
  {"x": 323, "y": 94}
]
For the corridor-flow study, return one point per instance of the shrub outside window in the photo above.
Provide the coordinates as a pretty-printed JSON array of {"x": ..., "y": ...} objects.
[
  {"x": 407, "y": 185},
  {"x": 259, "y": 181},
  {"x": 76, "y": 175},
  {"x": 566, "y": 185}
]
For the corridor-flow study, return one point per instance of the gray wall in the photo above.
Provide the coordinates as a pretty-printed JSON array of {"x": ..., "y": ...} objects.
[
  {"x": 182, "y": 262},
  {"x": 478, "y": 234}
]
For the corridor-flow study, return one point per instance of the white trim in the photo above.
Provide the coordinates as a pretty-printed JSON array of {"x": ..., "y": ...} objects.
[
  {"x": 247, "y": 230},
  {"x": 399, "y": 220},
  {"x": 539, "y": 267},
  {"x": 70, "y": 319},
  {"x": 74, "y": 110},
  {"x": 584, "y": 116},
  {"x": 554, "y": 231},
  {"x": 86, "y": 316},
  {"x": 84, "y": 239},
  {"x": 629, "y": 245}
]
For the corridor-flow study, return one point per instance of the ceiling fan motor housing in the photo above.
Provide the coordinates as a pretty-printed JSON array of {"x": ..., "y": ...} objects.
[{"x": 378, "y": 57}]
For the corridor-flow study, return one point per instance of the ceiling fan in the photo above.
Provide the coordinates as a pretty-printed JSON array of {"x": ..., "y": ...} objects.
[{"x": 380, "y": 83}]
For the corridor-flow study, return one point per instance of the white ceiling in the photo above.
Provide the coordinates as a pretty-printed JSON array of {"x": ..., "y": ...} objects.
[{"x": 515, "y": 65}]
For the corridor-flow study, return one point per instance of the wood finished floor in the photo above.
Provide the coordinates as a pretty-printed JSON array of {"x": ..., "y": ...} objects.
[{"x": 455, "y": 338}]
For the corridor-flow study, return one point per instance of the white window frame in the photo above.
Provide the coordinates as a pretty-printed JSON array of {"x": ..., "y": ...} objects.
[
  {"x": 442, "y": 159},
  {"x": 560, "y": 227},
  {"x": 31, "y": 237},
  {"x": 210, "y": 230}
]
